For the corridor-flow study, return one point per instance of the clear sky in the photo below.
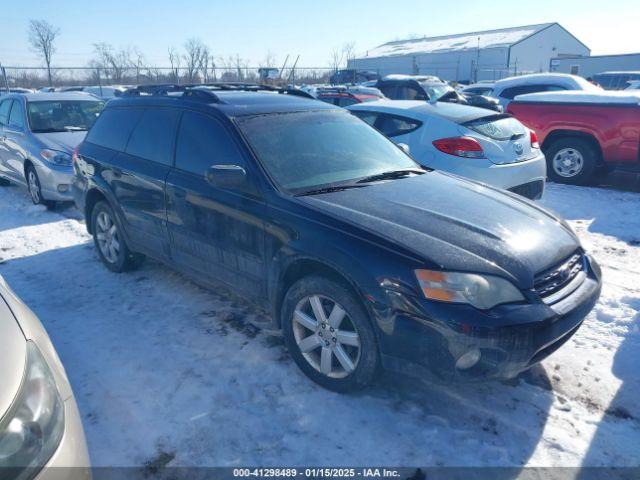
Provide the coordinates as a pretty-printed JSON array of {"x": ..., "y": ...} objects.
[{"x": 251, "y": 28}]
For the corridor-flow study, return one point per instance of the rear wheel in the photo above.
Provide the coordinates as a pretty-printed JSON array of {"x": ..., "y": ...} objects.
[
  {"x": 112, "y": 248},
  {"x": 329, "y": 335},
  {"x": 572, "y": 161}
]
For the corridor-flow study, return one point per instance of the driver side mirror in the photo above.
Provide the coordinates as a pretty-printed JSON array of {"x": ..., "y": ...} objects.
[{"x": 224, "y": 176}]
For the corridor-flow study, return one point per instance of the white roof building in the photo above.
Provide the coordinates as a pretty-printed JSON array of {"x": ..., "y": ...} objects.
[{"x": 488, "y": 55}]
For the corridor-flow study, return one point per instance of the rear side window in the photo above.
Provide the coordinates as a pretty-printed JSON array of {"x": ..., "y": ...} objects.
[
  {"x": 202, "y": 142},
  {"x": 4, "y": 112},
  {"x": 113, "y": 127},
  {"x": 152, "y": 138},
  {"x": 392, "y": 125}
]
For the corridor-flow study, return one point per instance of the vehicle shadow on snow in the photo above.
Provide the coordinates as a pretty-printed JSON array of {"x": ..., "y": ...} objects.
[{"x": 29, "y": 214}]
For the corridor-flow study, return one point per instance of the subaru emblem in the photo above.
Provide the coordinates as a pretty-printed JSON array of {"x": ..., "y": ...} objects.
[{"x": 519, "y": 149}]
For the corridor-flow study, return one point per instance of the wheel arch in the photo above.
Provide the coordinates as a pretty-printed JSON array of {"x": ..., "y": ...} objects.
[
  {"x": 560, "y": 134},
  {"x": 93, "y": 197},
  {"x": 307, "y": 266}
]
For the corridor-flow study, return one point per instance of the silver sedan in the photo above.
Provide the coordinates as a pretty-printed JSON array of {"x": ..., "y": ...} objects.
[{"x": 38, "y": 133}]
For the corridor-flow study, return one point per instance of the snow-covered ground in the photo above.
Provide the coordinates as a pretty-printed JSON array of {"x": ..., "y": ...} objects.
[{"x": 163, "y": 369}]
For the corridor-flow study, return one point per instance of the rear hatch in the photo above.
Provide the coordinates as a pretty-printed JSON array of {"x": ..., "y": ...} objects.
[{"x": 502, "y": 137}]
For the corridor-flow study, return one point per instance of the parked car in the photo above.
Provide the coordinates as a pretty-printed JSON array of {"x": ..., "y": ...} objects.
[
  {"x": 363, "y": 257},
  {"x": 507, "y": 89},
  {"x": 344, "y": 96},
  {"x": 482, "y": 88},
  {"x": 105, "y": 93},
  {"x": 352, "y": 76},
  {"x": 4, "y": 91},
  {"x": 615, "y": 80},
  {"x": 430, "y": 89},
  {"x": 39, "y": 421},
  {"x": 38, "y": 133},
  {"x": 468, "y": 141},
  {"x": 582, "y": 133}
]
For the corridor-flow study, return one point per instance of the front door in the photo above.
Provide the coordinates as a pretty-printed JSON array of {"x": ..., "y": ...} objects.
[{"x": 216, "y": 233}]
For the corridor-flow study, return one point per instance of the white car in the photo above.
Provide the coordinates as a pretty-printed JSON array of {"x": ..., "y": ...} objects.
[
  {"x": 40, "y": 426},
  {"x": 475, "y": 143},
  {"x": 507, "y": 89}
]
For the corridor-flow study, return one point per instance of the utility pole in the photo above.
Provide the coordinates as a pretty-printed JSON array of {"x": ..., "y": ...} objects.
[{"x": 477, "y": 60}]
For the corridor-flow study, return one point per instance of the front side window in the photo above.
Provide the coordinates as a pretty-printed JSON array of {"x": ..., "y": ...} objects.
[
  {"x": 203, "y": 142},
  {"x": 63, "y": 115},
  {"x": 152, "y": 138},
  {"x": 308, "y": 150},
  {"x": 16, "y": 117},
  {"x": 5, "y": 106},
  {"x": 113, "y": 128}
]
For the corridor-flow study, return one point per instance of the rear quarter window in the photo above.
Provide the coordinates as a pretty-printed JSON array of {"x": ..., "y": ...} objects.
[{"x": 114, "y": 127}]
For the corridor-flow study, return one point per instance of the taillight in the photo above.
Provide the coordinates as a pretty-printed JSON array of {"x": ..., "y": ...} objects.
[
  {"x": 534, "y": 139},
  {"x": 466, "y": 147}
]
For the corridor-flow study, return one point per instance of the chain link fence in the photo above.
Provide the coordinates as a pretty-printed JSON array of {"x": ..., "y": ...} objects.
[{"x": 37, "y": 77}]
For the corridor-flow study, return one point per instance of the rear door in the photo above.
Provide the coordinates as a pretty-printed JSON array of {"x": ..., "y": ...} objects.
[
  {"x": 135, "y": 163},
  {"x": 216, "y": 233}
]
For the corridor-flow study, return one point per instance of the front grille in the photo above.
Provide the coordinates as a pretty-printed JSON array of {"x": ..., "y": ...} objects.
[
  {"x": 531, "y": 190},
  {"x": 556, "y": 278}
]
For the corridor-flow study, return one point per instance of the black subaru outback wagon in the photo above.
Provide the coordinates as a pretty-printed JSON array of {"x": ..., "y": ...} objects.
[{"x": 364, "y": 258}]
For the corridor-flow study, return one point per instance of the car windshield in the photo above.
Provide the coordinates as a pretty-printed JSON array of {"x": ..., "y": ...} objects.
[
  {"x": 305, "y": 151},
  {"x": 436, "y": 90},
  {"x": 62, "y": 115}
]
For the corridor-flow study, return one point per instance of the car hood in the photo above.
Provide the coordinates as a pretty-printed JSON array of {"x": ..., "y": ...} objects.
[
  {"x": 61, "y": 141},
  {"x": 456, "y": 224},
  {"x": 13, "y": 352}
]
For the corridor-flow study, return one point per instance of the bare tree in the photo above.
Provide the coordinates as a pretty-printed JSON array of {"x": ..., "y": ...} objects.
[
  {"x": 195, "y": 49},
  {"x": 138, "y": 63},
  {"x": 269, "y": 60},
  {"x": 335, "y": 61},
  {"x": 349, "y": 50},
  {"x": 174, "y": 60},
  {"x": 42, "y": 37},
  {"x": 114, "y": 62}
]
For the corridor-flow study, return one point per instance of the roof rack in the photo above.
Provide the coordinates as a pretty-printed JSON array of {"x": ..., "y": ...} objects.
[{"x": 206, "y": 91}]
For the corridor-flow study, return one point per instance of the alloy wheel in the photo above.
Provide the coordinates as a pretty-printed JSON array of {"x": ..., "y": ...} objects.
[
  {"x": 107, "y": 236},
  {"x": 326, "y": 336},
  {"x": 568, "y": 162},
  {"x": 34, "y": 187}
]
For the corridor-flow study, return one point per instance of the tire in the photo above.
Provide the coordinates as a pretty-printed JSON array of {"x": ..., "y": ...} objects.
[
  {"x": 572, "y": 161},
  {"x": 34, "y": 188},
  {"x": 116, "y": 256},
  {"x": 346, "y": 345}
]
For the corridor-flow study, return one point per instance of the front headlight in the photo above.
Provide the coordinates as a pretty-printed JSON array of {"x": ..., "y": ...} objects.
[
  {"x": 481, "y": 291},
  {"x": 32, "y": 429},
  {"x": 61, "y": 159}
]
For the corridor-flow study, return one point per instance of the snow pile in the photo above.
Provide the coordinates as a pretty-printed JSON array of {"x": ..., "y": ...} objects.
[
  {"x": 489, "y": 39},
  {"x": 606, "y": 97},
  {"x": 162, "y": 368}
]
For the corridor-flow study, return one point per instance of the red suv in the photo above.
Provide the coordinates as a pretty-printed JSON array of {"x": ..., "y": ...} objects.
[{"x": 582, "y": 133}]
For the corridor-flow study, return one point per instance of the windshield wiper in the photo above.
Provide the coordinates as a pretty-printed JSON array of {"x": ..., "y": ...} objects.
[
  {"x": 75, "y": 129},
  {"x": 391, "y": 175},
  {"x": 335, "y": 188}
]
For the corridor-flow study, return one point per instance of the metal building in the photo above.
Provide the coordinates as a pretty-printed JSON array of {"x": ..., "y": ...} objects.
[
  {"x": 488, "y": 55},
  {"x": 590, "y": 66}
]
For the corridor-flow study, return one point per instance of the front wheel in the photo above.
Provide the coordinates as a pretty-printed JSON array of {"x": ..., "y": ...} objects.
[
  {"x": 571, "y": 160},
  {"x": 112, "y": 248},
  {"x": 35, "y": 189},
  {"x": 329, "y": 335}
]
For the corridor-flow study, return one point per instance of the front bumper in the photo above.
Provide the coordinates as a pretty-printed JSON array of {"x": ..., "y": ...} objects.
[
  {"x": 430, "y": 338},
  {"x": 55, "y": 182},
  {"x": 71, "y": 460}
]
